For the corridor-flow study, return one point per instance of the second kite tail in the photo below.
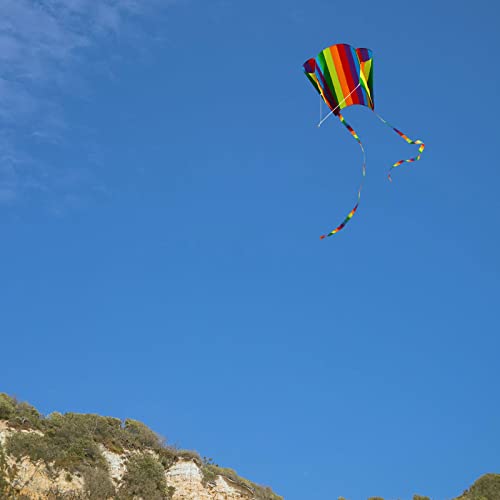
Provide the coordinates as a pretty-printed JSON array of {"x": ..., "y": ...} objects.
[
  {"x": 408, "y": 140},
  {"x": 353, "y": 211}
]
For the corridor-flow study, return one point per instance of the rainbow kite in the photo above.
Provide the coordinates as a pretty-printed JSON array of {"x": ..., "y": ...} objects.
[{"x": 343, "y": 76}]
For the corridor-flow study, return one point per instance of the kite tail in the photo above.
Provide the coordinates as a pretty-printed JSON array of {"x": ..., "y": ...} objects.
[
  {"x": 353, "y": 211},
  {"x": 408, "y": 140}
]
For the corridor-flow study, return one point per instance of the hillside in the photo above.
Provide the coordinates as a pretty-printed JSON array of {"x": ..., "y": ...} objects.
[
  {"x": 487, "y": 487},
  {"x": 84, "y": 456},
  {"x": 89, "y": 457}
]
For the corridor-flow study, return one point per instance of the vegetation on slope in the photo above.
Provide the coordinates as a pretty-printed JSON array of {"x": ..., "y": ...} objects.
[
  {"x": 487, "y": 487},
  {"x": 71, "y": 442}
]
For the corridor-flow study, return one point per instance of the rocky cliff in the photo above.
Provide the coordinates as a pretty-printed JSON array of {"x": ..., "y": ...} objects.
[{"x": 78, "y": 456}]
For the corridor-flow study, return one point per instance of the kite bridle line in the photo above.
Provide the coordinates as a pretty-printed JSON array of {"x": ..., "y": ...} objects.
[{"x": 338, "y": 105}]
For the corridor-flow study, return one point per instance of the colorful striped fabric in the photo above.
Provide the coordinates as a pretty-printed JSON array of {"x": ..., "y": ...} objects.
[{"x": 343, "y": 76}]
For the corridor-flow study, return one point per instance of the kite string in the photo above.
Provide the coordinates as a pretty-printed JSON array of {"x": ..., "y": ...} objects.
[
  {"x": 353, "y": 211},
  {"x": 338, "y": 105},
  {"x": 408, "y": 140}
]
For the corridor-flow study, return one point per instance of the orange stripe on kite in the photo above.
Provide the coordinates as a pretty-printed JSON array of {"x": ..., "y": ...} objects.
[{"x": 342, "y": 77}]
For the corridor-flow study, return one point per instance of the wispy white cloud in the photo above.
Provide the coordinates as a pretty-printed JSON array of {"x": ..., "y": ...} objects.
[{"x": 43, "y": 44}]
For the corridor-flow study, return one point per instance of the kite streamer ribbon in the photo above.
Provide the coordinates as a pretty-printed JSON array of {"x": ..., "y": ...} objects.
[
  {"x": 408, "y": 140},
  {"x": 353, "y": 211},
  {"x": 397, "y": 164}
]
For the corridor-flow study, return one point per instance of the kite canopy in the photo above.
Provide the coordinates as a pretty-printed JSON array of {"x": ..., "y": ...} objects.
[{"x": 343, "y": 76}]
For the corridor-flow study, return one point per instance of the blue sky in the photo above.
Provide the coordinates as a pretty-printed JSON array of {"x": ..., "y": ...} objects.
[{"x": 163, "y": 186}]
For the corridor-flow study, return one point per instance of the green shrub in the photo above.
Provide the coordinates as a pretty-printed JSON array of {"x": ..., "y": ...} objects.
[
  {"x": 97, "y": 484},
  {"x": 420, "y": 497},
  {"x": 66, "y": 444},
  {"x": 19, "y": 415},
  {"x": 140, "y": 436},
  {"x": 487, "y": 487},
  {"x": 30, "y": 445},
  {"x": 7, "y": 406},
  {"x": 145, "y": 477},
  {"x": 104, "y": 430},
  {"x": 167, "y": 456},
  {"x": 27, "y": 417},
  {"x": 209, "y": 473}
]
